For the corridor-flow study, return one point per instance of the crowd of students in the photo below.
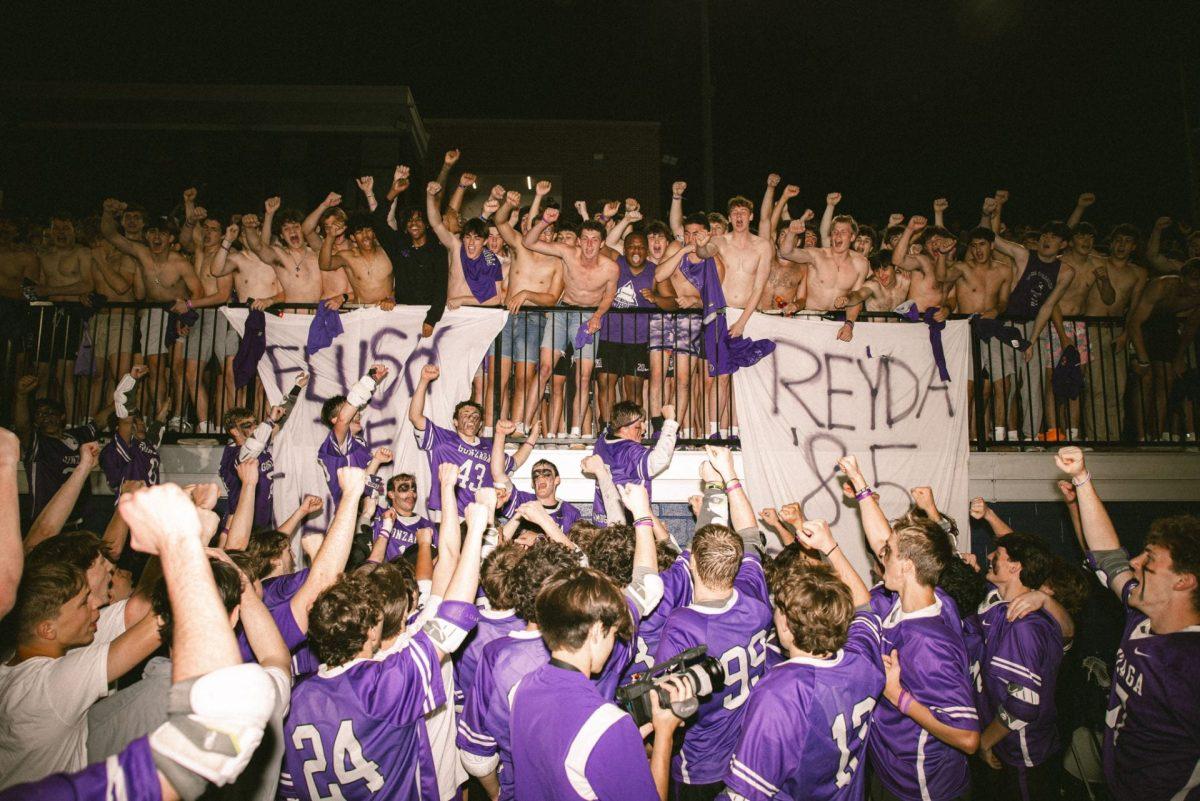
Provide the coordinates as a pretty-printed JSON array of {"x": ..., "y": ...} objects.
[
  {"x": 484, "y": 653},
  {"x": 1025, "y": 286}
]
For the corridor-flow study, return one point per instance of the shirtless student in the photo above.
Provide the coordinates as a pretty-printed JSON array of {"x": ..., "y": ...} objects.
[{"x": 834, "y": 271}]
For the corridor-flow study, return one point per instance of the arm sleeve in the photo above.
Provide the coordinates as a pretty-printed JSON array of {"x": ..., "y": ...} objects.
[
  {"x": 256, "y": 443},
  {"x": 1109, "y": 565},
  {"x": 408, "y": 684},
  {"x": 645, "y": 591},
  {"x": 660, "y": 457}
]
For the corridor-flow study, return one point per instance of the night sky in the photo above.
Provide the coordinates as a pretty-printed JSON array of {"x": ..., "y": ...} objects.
[{"x": 890, "y": 103}]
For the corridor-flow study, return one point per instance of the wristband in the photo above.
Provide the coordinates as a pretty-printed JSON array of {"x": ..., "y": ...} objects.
[
  {"x": 676, "y": 197},
  {"x": 295, "y": 391},
  {"x": 644, "y": 521},
  {"x": 602, "y": 218},
  {"x": 864, "y": 493},
  {"x": 904, "y": 702},
  {"x": 831, "y": 550},
  {"x": 188, "y": 303},
  {"x": 225, "y": 245},
  {"x": 1079, "y": 481},
  {"x": 709, "y": 485},
  {"x": 733, "y": 485}
]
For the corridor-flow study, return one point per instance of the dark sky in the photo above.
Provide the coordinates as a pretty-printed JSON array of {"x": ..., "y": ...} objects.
[{"x": 891, "y": 103}]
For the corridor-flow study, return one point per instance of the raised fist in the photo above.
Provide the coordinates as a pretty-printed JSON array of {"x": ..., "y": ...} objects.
[
  {"x": 401, "y": 173},
  {"x": 231, "y": 232},
  {"x": 796, "y": 227},
  {"x": 382, "y": 455},
  {"x": 816, "y": 534},
  {"x": 989, "y": 205},
  {"x": 895, "y": 219},
  {"x": 1160, "y": 224},
  {"x": 792, "y": 513},
  {"x": 1070, "y": 461},
  {"x": 542, "y": 188},
  {"x": 1086, "y": 199},
  {"x": 632, "y": 204},
  {"x": 311, "y": 504},
  {"x": 633, "y": 215},
  {"x": 113, "y": 206},
  {"x": 366, "y": 183},
  {"x": 773, "y": 180},
  {"x": 272, "y": 205},
  {"x": 1068, "y": 491},
  {"x": 917, "y": 222},
  {"x": 849, "y": 465},
  {"x": 497, "y": 193},
  {"x": 199, "y": 214},
  {"x": 452, "y": 157},
  {"x": 581, "y": 207},
  {"x": 941, "y": 204},
  {"x": 678, "y": 188},
  {"x": 27, "y": 384},
  {"x": 189, "y": 195},
  {"x": 89, "y": 455},
  {"x": 922, "y": 496},
  {"x": 158, "y": 516},
  {"x": 466, "y": 179},
  {"x": 430, "y": 372},
  {"x": 668, "y": 411},
  {"x": 550, "y": 215},
  {"x": 505, "y": 427},
  {"x": 378, "y": 372},
  {"x": 611, "y": 208},
  {"x": 332, "y": 199},
  {"x": 490, "y": 206},
  {"x": 770, "y": 515},
  {"x": 352, "y": 480},
  {"x": 432, "y": 188},
  {"x": 513, "y": 199},
  {"x": 250, "y": 221},
  {"x": 790, "y": 191},
  {"x": 833, "y": 198},
  {"x": 1001, "y": 196},
  {"x": 447, "y": 474}
]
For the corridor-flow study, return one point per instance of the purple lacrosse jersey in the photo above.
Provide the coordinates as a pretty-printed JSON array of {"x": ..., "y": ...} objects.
[
  {"x": 677, "y": 592},
  {"x": 136, "y": 460},
  {"x": 736, "y": 634},
  {"x": 629, "y": 463},
  {"x": 630, "y": 328},
  {"x": 264, "y": 511},
  {"x": 473, "y": 461},
  {"x": 571, "y": 743},
  {"x": 804, "y": 735},
  {"x": 492, "y": 626},
  {"x": 127, "y": 776},
  {"x": 280, "y": 589},
  {"x": 483, "y": 726},
  {"x": 617, "y": 666},
  {"x": 50, "y": 460},
  {"x": 1019, "y": 672},
  {"x": 334, "y": 455},
  {"x": 357, "y": 731},
  {"x": 403, "y": 533},
  {"x": 1152, "y": 729},
  {"x": 289, "y": 629},
  {"x": 911, "y": 763},
  {"x": 562, "y": 513}
]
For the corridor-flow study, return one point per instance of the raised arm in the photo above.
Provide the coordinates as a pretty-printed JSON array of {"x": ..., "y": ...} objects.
[
  {"x": 12, "y": 555},
  {"x": 676, "y": 213},
  {"x": 1154, "y": 247},
  {"x": 767, "y": 206},
  {"x": 435, "y": 216},
  {"x": 1081, "y": 205},
  {"x": 663, "y": 272},
  {"x": 614, "y": 508},
  {"x": 57, "y": 511},
  {"x": 331, "y": 558},
  {"x": 1098, "y": 531},
  {"x": 831, "y": 201},
  {"x": 789, "y": 251},
  {"x": 874, "y": 522},
  {"x": 263, "y": 248},
  {"x": 532, "y": 240},
  {"x": 902, "y": 259},
  {"x": 939, "y": 211},
  {"x": 790, "y": 191},
  {"x": 357, "y": 399},
  {"x": 499, "y": 476},
  {"x": 616, "y": 237},
  {"x": 815, "y": 534},
  {"x": 981, "y": 510},
  {"x": 416, "y": 405},
  {"x": 242, "y": 521},
  {"x": 309, "y": 226}
]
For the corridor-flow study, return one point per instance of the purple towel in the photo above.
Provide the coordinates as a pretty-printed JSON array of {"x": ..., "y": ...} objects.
[
  {"x": 250, "y": 352},
  {"x": 481, "y": 273},
  {"x": 326, "y": 325},
  {"x": 908, "y": 310},
  {"x": 725, "y": 355},
  {"x": 176, "y": 323},
  {"x": 582, "y": 336}
]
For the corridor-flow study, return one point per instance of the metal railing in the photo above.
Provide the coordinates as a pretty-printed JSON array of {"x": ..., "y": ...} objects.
[{"x": 536, "y": 370}]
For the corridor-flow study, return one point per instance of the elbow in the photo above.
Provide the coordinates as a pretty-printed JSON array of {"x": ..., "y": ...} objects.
[{"x": 968, "y": 742}]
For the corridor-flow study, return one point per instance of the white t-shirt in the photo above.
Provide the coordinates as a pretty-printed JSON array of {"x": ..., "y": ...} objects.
[
  {"x": 111, "y": 624},
  {"x": 43, "y": 712}
]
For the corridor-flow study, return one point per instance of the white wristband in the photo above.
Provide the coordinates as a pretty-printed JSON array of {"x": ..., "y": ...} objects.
[
  {"x": 121, "y": 394},
  {"x": 360, "y": 393}
]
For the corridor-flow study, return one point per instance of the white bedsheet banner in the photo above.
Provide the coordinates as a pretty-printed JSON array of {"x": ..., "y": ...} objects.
[
  {"x": 878, "y": 397},
  {"x": 458, "y": 345}
]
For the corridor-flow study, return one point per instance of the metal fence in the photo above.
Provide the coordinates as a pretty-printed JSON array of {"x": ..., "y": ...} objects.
[{"x": 544, "y": 367}]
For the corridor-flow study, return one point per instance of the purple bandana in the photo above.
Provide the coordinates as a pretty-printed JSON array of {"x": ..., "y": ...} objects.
[
  {"x": 582, "y": 336},
  {"x": 325, "y": 326},
  {"x": 908, "y": 310},
  {"x": 481, "y": 273}
]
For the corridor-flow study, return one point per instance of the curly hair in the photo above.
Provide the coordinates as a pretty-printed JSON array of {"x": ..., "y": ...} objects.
[
  {"x": 792, "y": 555},
  {"x": 493, "y": 575},
  {"x": 817, "y": 605},
  {"x": 1070, "y": 585},
  {"x": 611, "y": 552},
  {"x": 583, "y": 532},
  {"x": 543, "y": 559},
  {"x": 229, "y": 585},
  {"x": 341, "y": 619},
  {"x": 392, "y": 594},
  {"x": 268, "y": 544},
  {"x": 665, "y": 554},
  {"x": 964, "y": 584}
]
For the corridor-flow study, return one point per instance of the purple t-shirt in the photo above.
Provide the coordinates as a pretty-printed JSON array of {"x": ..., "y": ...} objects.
[
  {"x": 570, "y": 743},
  {"x": 483, "y": 727},
  {"x": 1019, "y": 671},
  {"x": 628, "y": 462},
  {"x": 492, "y": 626},
  {"x": 1152, "y": 729},
  {"x": 804, "y": 735},
  {"x": 629, "y": 328},
  {"x": 562, "y": 513},
  {"x": 911, "y": 763},
  {"x": 50, "y": 460},
  {"x": 264, "y": 511},
  {"x": 360, "y": 726},
  {"x": 473, "y": 461},
  {"x": 280, "y": 589},
  {"x": 136, "y": 460},
  {"x": 129, "y": 775},
  {"x": 334, "y": 455},
  {"x": 403, "y": 534},
  {"x": 736, "y": 634}
]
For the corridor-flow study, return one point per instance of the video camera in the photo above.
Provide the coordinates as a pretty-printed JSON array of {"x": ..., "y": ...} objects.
[{"x": 704, "y": 673}]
